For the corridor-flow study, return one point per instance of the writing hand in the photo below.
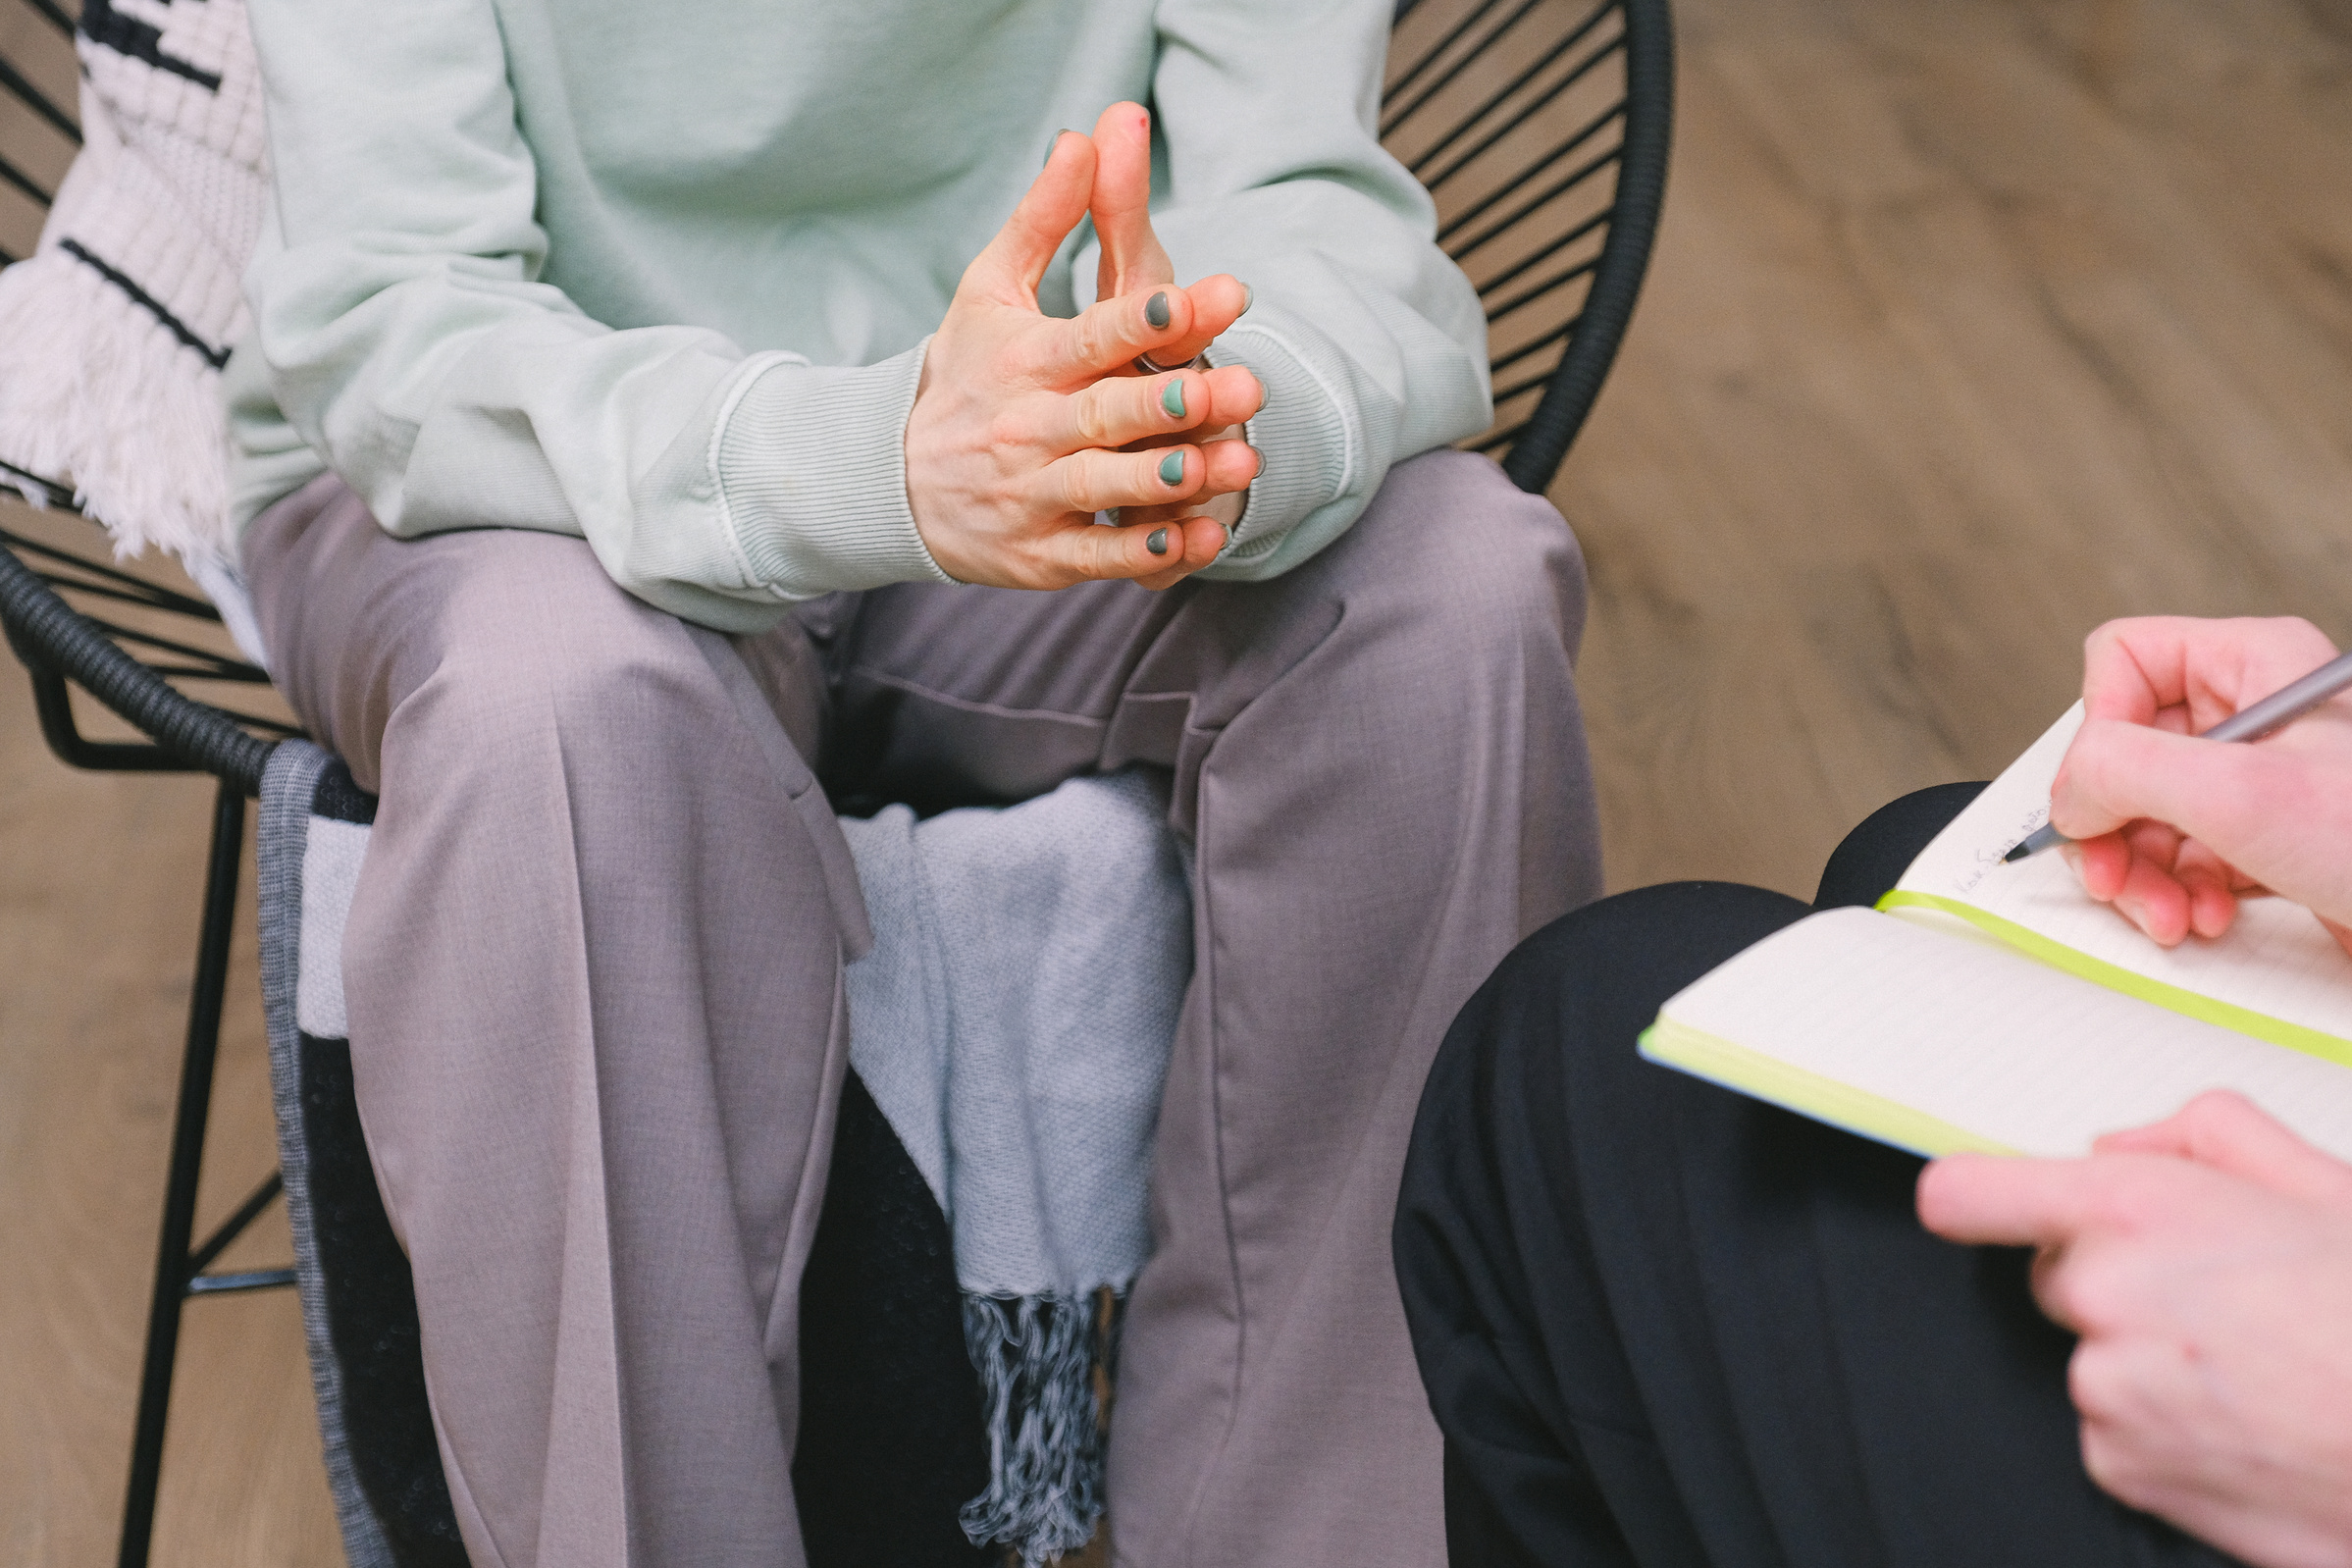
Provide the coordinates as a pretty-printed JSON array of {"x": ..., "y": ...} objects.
[
  {"x": 2207, "y": 1264},
  {"x": 2173, "y": 830},
  {"x": 1014, "y": 441}
]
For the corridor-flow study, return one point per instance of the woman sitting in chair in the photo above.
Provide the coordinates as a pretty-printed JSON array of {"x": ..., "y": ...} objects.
[
  {"x": 1663, "y": 1323},
  {"x": 619, "y": 456}
]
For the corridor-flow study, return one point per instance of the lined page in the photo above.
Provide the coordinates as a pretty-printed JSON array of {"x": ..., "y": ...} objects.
[
  {"x": 2276, "y": 958},
  {"x": 1990, "y": 1041}
]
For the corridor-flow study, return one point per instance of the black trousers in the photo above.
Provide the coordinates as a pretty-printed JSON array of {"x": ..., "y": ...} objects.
[{"x": 1663, "y": 1323}]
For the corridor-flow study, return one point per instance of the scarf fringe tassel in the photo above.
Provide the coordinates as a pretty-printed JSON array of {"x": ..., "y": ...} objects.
[{"x": 1036, "y": 1357}]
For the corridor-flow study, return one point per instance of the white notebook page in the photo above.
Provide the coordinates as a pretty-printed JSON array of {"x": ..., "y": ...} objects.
[
  {"x": 1993, "y": 1042},
  {"x": 2276, "y": 958}
]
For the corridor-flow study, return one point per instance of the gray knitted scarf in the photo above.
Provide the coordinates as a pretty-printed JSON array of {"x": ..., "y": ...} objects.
[{"x": 1014, "y": 1022}]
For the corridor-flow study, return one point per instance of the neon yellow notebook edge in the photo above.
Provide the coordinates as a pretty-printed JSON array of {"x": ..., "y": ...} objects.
[
  {"x": 1841, "y": 1105},
  {"x": 2188, "y": 1004}
]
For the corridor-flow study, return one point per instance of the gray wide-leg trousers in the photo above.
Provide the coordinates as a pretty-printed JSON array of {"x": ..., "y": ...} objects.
[{"x": 593, "y": 977}]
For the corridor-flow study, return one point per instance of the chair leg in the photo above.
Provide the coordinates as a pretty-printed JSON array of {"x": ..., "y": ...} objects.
[{"x": 172, "y": 1258}]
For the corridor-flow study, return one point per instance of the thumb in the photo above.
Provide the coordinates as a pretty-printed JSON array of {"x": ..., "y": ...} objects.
[
  {"x": 1132, "y": 256},
  {"x": 1010, "y": 268},
  {"x": 2230, "y": 1134}
]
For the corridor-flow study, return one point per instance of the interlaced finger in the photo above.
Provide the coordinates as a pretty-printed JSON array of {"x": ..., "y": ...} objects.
[
  {"x": 1193, "y": 543},
  {"x": 1231, "y": 466},
  {"x": 1154, "y": 554},
  {"x": 1218, "y": 303},
  {"x": 1132, "y": 256},
  {"x": 1107, "y": 335},
  {"x": 1013, "y": 262},
  {"x": 1120, "y": 410},
  {"x": 1095, "y": 480}
]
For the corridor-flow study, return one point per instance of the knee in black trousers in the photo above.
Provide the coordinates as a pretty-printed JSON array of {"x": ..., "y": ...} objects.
[{"x": 1661, "y": 1324}]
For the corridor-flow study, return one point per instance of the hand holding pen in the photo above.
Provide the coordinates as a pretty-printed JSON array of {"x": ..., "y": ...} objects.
[{"x": 2172, "y": 828}]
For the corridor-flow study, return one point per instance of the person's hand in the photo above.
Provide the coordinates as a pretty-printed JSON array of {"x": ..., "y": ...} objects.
[
  {"x": 1134, "y": 261},
  {"x": 1015, "y": 440},
  {"x": 2207, "y": 1264},
  {"x": 2174, "y": 830}
]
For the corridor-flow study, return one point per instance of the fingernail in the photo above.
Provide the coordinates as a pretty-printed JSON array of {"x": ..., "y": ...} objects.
[
  {"x": 1158, "y": 542},
  {"x": 1155, "y": 311},
  {"x": 1172, "y": 469},
  {"x": 1249, "y": 297},
  {"x": 1056, "y": 142},
  {"x": 1171, "y": 399}
]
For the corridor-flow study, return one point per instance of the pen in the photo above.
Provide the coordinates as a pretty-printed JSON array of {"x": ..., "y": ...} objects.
[{"x": 2279, "y": 709}]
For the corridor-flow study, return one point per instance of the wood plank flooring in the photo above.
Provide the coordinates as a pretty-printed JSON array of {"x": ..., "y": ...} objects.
[{"x": 1972, "y": 324}]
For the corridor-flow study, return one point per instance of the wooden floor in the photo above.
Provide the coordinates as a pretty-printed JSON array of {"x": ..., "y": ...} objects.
[{"x": 1973, "y": 323}]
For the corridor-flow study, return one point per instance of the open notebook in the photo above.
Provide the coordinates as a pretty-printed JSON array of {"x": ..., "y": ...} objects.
[{"x": 1996, "y": 1007}]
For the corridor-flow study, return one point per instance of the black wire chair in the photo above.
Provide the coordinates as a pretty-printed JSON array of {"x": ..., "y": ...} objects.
[
  {"x": 55, "y": 640},
  {"x": 1540, "y": 126},
  {"x": 1541, "y": 130}
]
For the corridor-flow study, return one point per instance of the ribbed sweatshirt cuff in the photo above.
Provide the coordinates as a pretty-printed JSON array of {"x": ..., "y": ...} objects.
[
  {"x": 1303, "y": 433},
  {"x": 810, "y": 463}
]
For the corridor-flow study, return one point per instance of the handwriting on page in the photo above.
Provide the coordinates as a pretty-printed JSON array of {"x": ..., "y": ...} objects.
[
  {"x": 1985, "y": 855},
  {"x": 1967, "y": 852}
]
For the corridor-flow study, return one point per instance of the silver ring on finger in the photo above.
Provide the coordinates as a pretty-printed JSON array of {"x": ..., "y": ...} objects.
[{"x": 1152, "y": 366}]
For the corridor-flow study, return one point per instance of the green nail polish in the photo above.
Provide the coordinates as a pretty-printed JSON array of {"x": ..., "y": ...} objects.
[
  {"x": 1155, "y": 311},
  {"x": 1158, "y": 542},
  {"x": 1054, "y": 142},
  {"x": 1171, "y": 399},
  {"x": 1249, "y": 297},
  {"x": 1172, "y": 469}
]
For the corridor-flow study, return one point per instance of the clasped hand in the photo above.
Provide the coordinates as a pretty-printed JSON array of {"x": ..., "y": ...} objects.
[{"x": 1026, "y": 426}]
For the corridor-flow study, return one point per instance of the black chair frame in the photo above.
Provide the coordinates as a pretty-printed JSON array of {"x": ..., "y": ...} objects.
[
  {"x": 131, "y": 670},
  {"x": 1640, "y": 33},
  {"x": 57, "y": 642}
]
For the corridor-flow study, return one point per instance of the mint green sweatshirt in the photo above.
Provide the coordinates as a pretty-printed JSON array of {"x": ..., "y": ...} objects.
[{"x": 661, "y": 273}]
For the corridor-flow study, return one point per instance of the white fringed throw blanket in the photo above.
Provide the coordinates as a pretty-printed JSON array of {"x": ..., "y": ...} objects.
[{"x": 113, "y": 334}]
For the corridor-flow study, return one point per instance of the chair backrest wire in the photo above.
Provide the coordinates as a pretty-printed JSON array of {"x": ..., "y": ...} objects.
[
  {"x": 1539, "y": 127},
  {"x": 37, "y": 116}
]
